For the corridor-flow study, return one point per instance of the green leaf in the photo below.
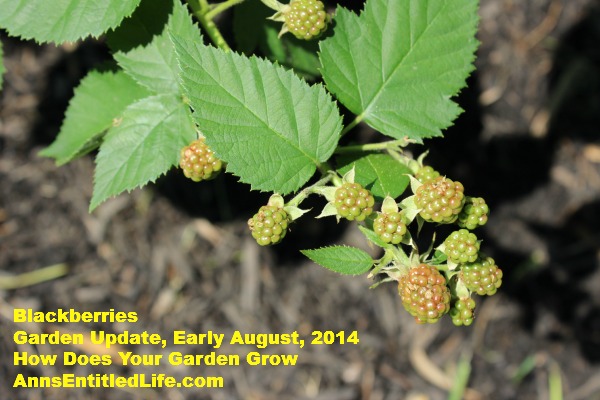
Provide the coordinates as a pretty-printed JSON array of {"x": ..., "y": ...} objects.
[
  {"x": 143, "y": 47},
  {"x": 270, "y": 126},
  {"x": 62, "y": 20},
  {"x": 398, "y": 64},
  {"x": 98, "y": 102},
  {"x": 143, "y": 146},
  {"x": 380, "y": 173},
  {"x": 341, "y": 259}
]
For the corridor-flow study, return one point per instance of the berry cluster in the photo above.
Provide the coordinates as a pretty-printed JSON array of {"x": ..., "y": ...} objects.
[
  {"x": 462, "y": 311},
  {"x": 389, "y": 227},
  {"x": 440, "y": 200},
  {"x": 461, "y": 246},
  {"x": 269, "y": 225},
  {"x": 424, "y": 293},
  {"x": 198, "y": 161},
  {"x": 482, "y": 276},
  {"x": 353, "y": 202},
  {"x": 305, "y": 19},
  {"x": 474, "y": 213}
]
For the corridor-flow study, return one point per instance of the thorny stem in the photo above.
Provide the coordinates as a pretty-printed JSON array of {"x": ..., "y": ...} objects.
[
  {"x": 219, "y": 8},
  {"x": 393, "y": 144},
  {"x": 201, "y": 9}
]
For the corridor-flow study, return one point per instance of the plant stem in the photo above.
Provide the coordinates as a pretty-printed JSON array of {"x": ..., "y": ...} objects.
[
  {"x": 352, "y": 124},
  {"x": 201, "y": 9},
  {"x": 219, "y": 8},
  {"x": 392, "y": 144},
  {"x": 304, "y": 193}
]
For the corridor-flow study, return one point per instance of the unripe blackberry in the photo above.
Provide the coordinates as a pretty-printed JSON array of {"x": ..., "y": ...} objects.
[
  {"x": 474, "y": 213},
  {"x": 482, "y": 277},
  {"x": 440, "y": 200},
  {"x": 424, "y": 293},
  {"x": 305, "y": 19},
  {"x": 426, "y": 174},
  {"x": 198, "y": 161},
  {"x": 389, "y": 227},
  {"x": 461, "y": 247},
  {"x": 269, "y": 225},
  {"x": 353, "y": 202},
  {"x": 462, "y": 311}
]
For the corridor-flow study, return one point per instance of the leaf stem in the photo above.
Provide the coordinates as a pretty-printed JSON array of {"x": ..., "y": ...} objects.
[
  {"x": 304, "y": 193},
  {"x": 352, "y": 124},
  {"x": 392, "y": 144},
  {"x": 219, "y": 8},
  {"x": 201, "y": 9}
]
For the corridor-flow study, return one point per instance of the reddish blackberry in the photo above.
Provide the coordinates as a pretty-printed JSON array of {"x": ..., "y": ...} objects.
[
  {"x": 198, "y": 161},
  {"x": 269, "y": 225},
  {"x": 461, "y": 247},
  {"x": 474, "y": 213},
  {"x": 440, "y": 200},
  {"x": 353, "y": 202},
  {"x": 462, "y": 311},
  {"x": 482, "y": 277},
  {"x": 424, "y": 293},
  {"x": 389, "y": 227},
  {"x": 426, "y": 174},
  {"x": 305, "y": 19}
]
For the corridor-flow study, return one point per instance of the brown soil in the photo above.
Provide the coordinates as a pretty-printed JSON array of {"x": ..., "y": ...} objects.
[{"x": 182, "y": 259}]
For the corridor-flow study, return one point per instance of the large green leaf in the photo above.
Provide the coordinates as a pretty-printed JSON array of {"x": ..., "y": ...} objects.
[
  {"x": 62, "y": 20},
  {"x": 398, "y": 64},
  {"x": 143, "y": 47},
  {"x": 98, "y": 102},
  {"x": 380, "y": 173},
  {"x": 271, "y": 127},
  {"x": 143, "y": 146},
  {"x": 341, "y": 259}
]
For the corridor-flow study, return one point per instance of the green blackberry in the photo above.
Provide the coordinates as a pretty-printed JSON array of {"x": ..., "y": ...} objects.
[
  {"x": 389, "y": 227},
  {"x": 198, "y": 161},
  {"x": 462, "y": 311},
  {"x": 482, "y": 277},
  {"x": 305, "y": 19},
  {"x": 426, "y": 174},
  {"x": 353, "y": 202},
  {"x": 440, "y": 200},
  {"x": 474, "y": 213},
  {"x": 269, "y": 225},
  {"x": 461, "y": 247},
  {"x": 424, "y": 293}
]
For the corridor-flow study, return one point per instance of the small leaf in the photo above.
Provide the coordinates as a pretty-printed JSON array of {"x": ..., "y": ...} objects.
[
  {"x": 143, "y": 147},
  {"x": 328, "y": 211},
  {"x": 99, "y": 100},
  {"x": 143, "y": 47},
  {"x": 62, "y": 20},
  {"x": 372, "y": 236},
  {"x": 295, "y": 212},
  {"x": 341, "y": 259},
  {"x": 270, "y": 126},
  {"x": 380, "y": 173},
  {"x": 398, "y": 64},
  {"x": 414, "y": 183},
  {"x": 410, "y": 209}
]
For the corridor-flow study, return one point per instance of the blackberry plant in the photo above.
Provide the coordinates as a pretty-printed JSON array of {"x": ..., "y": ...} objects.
[{"x": 266, "y": 104}]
